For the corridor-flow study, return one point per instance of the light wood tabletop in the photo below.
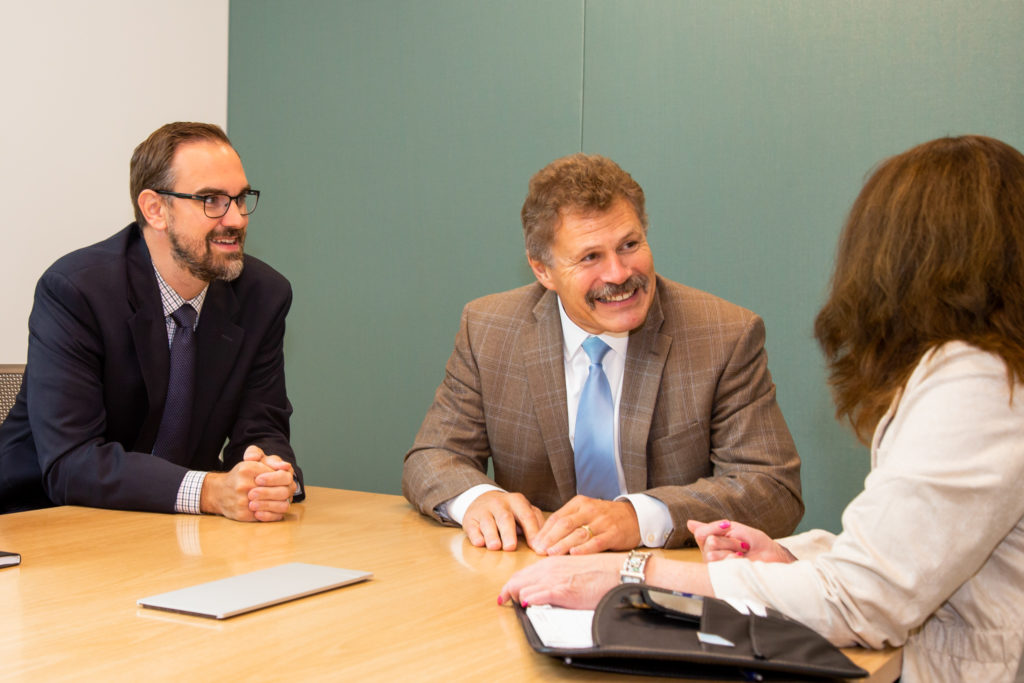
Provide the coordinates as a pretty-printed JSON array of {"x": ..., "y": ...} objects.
[{"x": 430, "y": 612}]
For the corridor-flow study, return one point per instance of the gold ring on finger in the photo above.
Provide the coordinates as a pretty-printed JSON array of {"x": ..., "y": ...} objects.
[{"x": 590, "y": 533}]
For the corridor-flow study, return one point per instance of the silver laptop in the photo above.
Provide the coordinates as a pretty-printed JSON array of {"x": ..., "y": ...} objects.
[{"x": 247, "y": 592}]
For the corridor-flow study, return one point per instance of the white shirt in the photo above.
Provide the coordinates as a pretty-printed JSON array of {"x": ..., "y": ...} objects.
[{"x": 653, "y": 515}]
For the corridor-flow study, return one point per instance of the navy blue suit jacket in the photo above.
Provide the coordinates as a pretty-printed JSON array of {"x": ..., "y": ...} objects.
[{"x": 82, "y": 429}]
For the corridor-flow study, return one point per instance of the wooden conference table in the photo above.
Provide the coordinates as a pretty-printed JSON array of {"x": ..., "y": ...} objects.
[{"x": 429, "y": 613}]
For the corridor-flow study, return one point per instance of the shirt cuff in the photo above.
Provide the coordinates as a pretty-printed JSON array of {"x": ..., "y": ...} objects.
[
  {"x": 189, "y": 493},
  {"x": 454, "y": 509},
  {"x": 653, "y": 517}
]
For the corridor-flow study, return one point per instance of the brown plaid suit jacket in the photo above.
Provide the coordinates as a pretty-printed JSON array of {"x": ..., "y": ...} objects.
[{"x": 699, "y": 426}]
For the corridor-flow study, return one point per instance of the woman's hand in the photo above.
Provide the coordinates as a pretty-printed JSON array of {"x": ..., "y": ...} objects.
[
  {"x": 723, "y": 539},
  {"x": 575, "y": 582}
]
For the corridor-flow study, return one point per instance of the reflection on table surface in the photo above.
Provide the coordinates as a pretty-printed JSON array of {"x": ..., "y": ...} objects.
[{"x": 429, "y": 613}]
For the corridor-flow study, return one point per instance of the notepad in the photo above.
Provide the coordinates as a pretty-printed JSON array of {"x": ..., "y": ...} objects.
[
  {"x": 562, "y": 628},
  {"x": 248, "y": 592}
]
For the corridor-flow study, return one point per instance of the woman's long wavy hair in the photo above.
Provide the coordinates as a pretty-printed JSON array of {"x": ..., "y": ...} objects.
[{"x": 932, "y": 251}]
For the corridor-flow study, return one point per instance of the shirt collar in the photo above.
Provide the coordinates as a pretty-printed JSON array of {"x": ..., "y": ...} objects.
[
  {"x": 172, "y": 301},
  {"x": 573, "y": 335}
]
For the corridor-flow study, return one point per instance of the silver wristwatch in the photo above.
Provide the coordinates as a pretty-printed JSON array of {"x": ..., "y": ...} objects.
[{"x": 633, "y": 567}]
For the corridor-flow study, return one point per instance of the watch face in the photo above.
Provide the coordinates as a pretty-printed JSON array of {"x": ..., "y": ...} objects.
[
  {"x": 635, "y": 562},
  {"x": 633, "y": 567}
]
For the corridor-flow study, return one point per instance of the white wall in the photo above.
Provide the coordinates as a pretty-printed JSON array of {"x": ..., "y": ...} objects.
[{"x": 81, "y": 85}]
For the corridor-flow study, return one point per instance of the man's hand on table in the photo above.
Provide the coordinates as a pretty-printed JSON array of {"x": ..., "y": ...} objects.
[
  {"x": 588, "y": 525},
  {"x": 491, "y": 520}
]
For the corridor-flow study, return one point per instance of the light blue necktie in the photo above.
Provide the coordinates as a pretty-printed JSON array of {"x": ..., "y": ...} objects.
[{"x": 596, "y": 475}]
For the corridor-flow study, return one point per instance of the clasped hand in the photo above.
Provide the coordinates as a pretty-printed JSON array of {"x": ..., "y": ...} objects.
[
  {"x": 257, "y": 489},
  {"x": 581, "y": 526},
  {"x": 721, "y": 539}
]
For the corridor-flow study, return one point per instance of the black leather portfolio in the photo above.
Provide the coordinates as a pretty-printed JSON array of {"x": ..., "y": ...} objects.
[{"x": 639, "y": 629}]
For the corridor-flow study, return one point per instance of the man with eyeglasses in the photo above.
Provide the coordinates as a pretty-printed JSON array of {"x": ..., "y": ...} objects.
[{"x": 155, "y": 374}]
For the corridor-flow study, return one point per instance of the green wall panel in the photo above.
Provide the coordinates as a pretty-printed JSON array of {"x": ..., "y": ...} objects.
[
  {"x": 393, "y": 142},
  {"x": 752, "y": 125}
]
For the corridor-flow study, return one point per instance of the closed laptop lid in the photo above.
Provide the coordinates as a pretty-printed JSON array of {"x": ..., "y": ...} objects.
[{"x": 247, "y": 592}]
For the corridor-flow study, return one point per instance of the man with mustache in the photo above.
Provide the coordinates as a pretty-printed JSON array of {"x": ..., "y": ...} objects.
[
  {"x": 622, "y": 401},
  {"x": 149, "y": 350}
]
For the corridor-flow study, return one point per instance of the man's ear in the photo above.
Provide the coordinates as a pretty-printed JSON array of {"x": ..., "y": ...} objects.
[
  {"x": 154, "y": 209},
  {"x": 542, "y": 272}
]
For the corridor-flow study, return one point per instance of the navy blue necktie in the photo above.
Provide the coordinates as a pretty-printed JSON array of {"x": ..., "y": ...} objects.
[
  {"x": 172, "y": 439},
  {"x": 594, "y": 443}
]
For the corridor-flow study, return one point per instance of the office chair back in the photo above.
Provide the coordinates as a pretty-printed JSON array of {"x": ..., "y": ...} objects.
[{"x": 10, "y": 385}]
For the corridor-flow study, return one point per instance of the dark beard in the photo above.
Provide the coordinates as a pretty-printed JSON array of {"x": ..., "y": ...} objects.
[{"x": 204, "y": 267}]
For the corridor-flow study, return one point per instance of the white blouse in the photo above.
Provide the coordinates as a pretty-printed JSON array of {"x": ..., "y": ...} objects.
[{"x": 931, "y": 556}]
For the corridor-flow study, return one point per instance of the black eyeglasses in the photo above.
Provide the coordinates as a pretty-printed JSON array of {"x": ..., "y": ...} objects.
[{"x": 217, "y": 205}]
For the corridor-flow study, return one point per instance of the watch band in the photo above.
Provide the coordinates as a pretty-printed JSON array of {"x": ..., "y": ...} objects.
[{"x": 633, "y": 567}]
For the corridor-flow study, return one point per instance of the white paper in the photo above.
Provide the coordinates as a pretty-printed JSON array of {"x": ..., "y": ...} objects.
[
  {"x": 737, "y": 604},
  {"x": 746, "y": 607},
  {"x": 562, "y": 628}
]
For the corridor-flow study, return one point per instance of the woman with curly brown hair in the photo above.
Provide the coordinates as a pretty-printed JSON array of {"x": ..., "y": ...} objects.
[{"x": 923, "y": 332}]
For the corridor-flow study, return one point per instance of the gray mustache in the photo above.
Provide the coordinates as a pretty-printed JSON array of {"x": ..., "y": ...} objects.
[{"x": 635, "y": 281}]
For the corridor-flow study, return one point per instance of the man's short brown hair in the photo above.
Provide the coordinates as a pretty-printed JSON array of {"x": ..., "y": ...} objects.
[
  {"x": 579, "y": 183},
  {"x": 150, "y": 168}
]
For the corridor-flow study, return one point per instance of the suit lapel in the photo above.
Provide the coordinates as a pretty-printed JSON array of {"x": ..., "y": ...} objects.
[
  {"x": 218, "y": 340},
  {"x": 149, "y": 334},
  {"x": 542, "y": 350},
  {"x": 645, "y": 363}
]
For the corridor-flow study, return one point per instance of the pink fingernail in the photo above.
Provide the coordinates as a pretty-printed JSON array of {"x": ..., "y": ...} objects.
[
  {"x": 524, "y": 604},
  {"x": 500, "y": 601},
  {"x": 745, "y": 545},
  {"x": 724, "y": 525}
]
